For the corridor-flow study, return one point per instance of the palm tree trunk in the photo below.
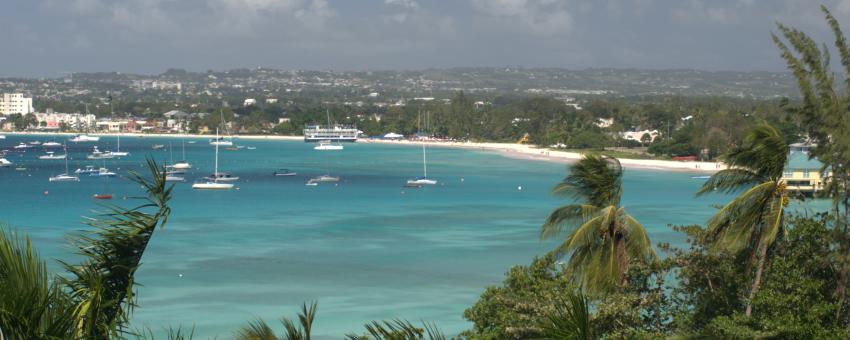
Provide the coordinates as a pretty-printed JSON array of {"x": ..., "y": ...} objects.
[
  {"x": 622, "y": 262},
  {"x": 757, "y": 281}
]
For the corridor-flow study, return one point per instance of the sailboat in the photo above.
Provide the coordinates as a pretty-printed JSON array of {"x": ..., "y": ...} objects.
[
  {"x": 213, "y": 183},
  {"x": 182, "y": 164},
  {"x": 118, "y": 153},
  {"x": 222, "y": 141},
  {"x": 65, "y": 177},
  {"x": 104, "y": 172},
  {"x": 422, "y": 180},
  {"x": 326, "y": 145}
]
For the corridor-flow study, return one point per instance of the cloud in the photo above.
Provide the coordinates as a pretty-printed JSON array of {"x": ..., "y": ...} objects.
[
  {"x": 400, "y": 10},
  {"x": 539, "y": 17}
]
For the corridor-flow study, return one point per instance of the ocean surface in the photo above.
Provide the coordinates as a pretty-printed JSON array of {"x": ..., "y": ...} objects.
[{"x": 366, "y": 249}]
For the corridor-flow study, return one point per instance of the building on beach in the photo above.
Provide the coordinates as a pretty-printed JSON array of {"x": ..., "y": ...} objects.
[{"x": 801, "y": 173}]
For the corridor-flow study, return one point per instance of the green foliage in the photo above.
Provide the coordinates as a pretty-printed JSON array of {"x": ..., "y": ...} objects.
[
  {"x": 514, "y": 309},
  {"x": 260, "y": 330},
  {"x": 602, "y": 239},
  {"x": 398, "y": 329},
  {"x": 569, "y": 321},
  {"x": 97, "y": 300}
]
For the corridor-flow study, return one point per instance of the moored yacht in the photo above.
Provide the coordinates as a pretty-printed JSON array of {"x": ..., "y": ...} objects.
[
  {"x": 213, "y": 183},
  {"x": 50, "y": 155},
  {"x": 97, "y": 154},
  {"x": 84, "y": 138},
  {"x": 65, "y": 177}
]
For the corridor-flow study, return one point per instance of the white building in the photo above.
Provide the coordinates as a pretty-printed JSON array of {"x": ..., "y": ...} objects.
[
  {"x": 249, "y": 102},
  {"x": 15, "y": 103},
  {"x": 637, "y": 135},
  {"x": 74, "y": 121}
]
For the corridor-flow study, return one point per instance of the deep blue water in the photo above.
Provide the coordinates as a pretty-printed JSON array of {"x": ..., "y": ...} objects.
[{"x": 366, "y": 249}]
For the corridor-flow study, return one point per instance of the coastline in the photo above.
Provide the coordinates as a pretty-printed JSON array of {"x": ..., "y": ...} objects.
[{"x": 518, "y": 151}]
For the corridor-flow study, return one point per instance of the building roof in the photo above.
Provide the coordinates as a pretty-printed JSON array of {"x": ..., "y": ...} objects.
[{"x": 800, "y": 160}]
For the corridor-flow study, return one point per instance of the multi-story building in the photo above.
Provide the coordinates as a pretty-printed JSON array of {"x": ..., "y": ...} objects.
[
  {"x": 74, "y": 121},
  {"x": 15, "y": 103}
]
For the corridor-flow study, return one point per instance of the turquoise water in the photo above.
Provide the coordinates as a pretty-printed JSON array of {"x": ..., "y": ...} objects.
[{"x": 366, "y": 249}]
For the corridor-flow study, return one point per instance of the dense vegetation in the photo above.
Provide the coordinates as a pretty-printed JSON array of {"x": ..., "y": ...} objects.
[{"x": 753, "y": 271}]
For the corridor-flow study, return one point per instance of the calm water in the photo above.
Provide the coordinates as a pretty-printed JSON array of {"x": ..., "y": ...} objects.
[{"x": 366, "y": 249}]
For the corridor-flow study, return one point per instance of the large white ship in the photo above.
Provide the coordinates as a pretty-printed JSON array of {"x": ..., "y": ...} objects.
[{"x": 335, "y": 133}]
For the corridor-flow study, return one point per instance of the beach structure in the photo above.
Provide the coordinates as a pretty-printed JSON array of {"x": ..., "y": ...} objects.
[{"x": 801, "y": 173}]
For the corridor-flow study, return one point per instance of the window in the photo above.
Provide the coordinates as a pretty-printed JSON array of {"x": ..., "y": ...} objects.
[{"x": 805, "y": 173}]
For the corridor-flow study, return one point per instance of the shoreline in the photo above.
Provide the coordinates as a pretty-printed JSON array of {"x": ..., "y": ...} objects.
[{"x": 517, "y": 151}]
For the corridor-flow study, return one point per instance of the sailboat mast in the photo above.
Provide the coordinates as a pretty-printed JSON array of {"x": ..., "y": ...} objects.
[
  {"x": 66, "y": 159},
  {"x": 215, "y": 173}
]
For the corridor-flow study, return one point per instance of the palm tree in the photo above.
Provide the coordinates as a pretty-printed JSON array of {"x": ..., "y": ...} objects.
[
  {"x": 603, "y": 239},
  {"x": 97, "y": 300},
  {"x": 753, "y": 220},
  {"x": 260, "y": 330}
]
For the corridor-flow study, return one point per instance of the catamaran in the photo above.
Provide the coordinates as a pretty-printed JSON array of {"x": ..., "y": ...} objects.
[
  {"x": 422, "y": 180},
  {"x": 213, "y": 184},
  {"x": 65, "y": 177},
  {"x": 182, "y": 164},
  {"x": 50, "y": 155}
]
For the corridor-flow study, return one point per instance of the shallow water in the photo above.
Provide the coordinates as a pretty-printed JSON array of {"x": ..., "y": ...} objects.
[{"x": 366, "y": 249}]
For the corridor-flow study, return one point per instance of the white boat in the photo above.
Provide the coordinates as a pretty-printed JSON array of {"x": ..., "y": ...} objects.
[
  {"x": 84, "y": 138},
  {"x": 325, "y": 179},
  {"x": 172, "y": 178},
  {"x": 311, "y": 184},
  {"x": 97, "y": 154},
  {"x": 51, "y": 156},
  {"x": 35, "y": 142},
  {"x": 51, "y": 144},
  {"x": 223, "y": 140},
  {"x": 222, "y": 177},
  {"x": 118, "y": 152},
  {"x": 284, "y": 172},
  {"x": 2, "y": 136},
  {"x": 327, "y": 146},
  {"x": 90, "y": 169},
  {"x": 22, "y": 146},
  {"x": 182, "y": 165},
  {"x": 213, "y": 184},
  {"x": 423, "y": 180},
  {"x": 103, "y": 172},
  {"x": 5, "y": 163},
  {"x": 64, "y": 177}
]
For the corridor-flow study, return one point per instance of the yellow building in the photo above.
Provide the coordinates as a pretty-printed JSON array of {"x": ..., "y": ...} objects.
[{"x": 803, "y": 174}]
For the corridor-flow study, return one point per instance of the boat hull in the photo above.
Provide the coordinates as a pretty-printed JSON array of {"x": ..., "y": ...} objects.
[
  {"x": 421, "y": 182},
  {"x": 212, "y": 186}
]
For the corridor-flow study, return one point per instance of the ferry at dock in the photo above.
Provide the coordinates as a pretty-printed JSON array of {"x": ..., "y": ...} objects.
[{"x": 334, "y": 133}]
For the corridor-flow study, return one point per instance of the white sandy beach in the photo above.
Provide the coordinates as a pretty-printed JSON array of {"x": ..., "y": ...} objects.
[{"x": 521, "y": 151}]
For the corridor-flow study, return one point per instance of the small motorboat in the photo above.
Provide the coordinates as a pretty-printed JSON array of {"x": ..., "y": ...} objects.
[
  {"x": 158, "y": 146},
  {"x": 232, "y": 148},
  {"x": 84, "y": 138},
  {"x": 64, "y": 178},
  {"x": 4, "y": 163},
  {"x": 52, "y": 155},
  {"x": 35, "y": 142},
  {"x": 173, "y": 178},
  {"x": 251, "y": 148},
  {"x": 311, "y": 183},
  {"x": 103, "y": 196},
  {"x": 51, "y": 144},
  {"x": 22, "y": 146},
  {"x": 284, "y": 172},
  {"x": 325, "y": 179},
  {"x": 103, "y": 172},
  {"x": 326, "y": 145}
]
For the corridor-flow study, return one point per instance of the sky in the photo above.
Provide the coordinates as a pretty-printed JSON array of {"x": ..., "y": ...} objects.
[{"x": 43, "y": 38}]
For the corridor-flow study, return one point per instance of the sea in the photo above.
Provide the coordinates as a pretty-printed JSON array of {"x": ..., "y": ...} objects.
[{"x": 364, "y": 249}]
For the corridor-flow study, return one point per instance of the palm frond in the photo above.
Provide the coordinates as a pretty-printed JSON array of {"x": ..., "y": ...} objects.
[
  {"x": 569, "y": 321},
  {"x": 764, "y": 152},
  {"x": 255, "y": 330},
  {"x": 729, "y": 180},
  {"x": 737, "y": 224},
  {"x": 398, "y": 329},
  {"x": 638, "y": 245},
  {"x": 32, "y": 306},
  {"x": 102, "y": 286},
  {"x": 595, "y": 179},
  {"x": 566, "y": 217}
]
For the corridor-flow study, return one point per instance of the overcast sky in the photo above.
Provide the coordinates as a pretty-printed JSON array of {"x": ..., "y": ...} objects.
[{"x": 46, "y": 37}]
